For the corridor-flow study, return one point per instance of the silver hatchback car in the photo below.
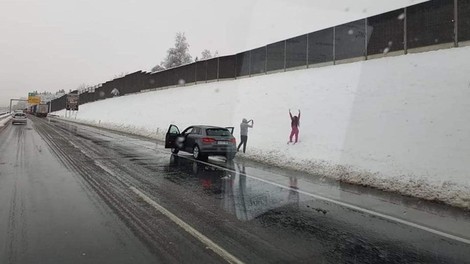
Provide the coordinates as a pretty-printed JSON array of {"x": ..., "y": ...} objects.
[
  {"x": 19, "y": 118},
  {"x": 202, "y": 141}
]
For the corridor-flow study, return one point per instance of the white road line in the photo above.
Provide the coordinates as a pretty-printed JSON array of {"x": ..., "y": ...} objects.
[
  {"x": 354, "y": 207},
  {"x": 205, "y": 240}
]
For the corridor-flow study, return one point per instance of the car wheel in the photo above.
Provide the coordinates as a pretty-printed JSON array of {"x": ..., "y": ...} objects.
[
  {"x": 174, "y": 150},
  {"x": 197, "y": 152}
]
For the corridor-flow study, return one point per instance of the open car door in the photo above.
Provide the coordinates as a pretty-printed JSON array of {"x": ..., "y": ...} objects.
[
  {"x": 171, "y": 135},
  {"x": 230, "y": 129}
]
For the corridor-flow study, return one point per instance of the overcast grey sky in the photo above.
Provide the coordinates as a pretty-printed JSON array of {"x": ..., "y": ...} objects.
[{"x": 47, "y": 45}]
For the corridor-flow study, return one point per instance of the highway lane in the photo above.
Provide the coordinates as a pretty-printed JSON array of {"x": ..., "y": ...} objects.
[
  {"x": 245, "y": 211},
  {"x": 49, "y": 215}
]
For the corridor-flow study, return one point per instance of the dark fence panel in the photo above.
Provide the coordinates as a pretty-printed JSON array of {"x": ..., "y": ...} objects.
[
  {"x": 350, "y": 40},
  {"x": 147, "y": 81},
  {"x": 430, "y": 23},
  {"x": 243, "y": 63},
  {"x": 139, "y": 81},
  {"x": 201, "y": 68},
  {"x": 52, "y": 103},
  {"x": 276, "y": 56},
  {"x": 212, "y": 66},
  {"x": 90, "y": 97},
  {"x": 83, "y": 98},
  {"x": 120, "y": 85},
  {"x": 61, "y": 102},
  {"x": 178, "y": 75},
  {"x": 58, "y": 104},
  {"x": 227, "y": 67},
  {"x": 320, "y": 46},
  {"x": 156, "y": 80},
  {"x": 185, "y": 74},
  {"x": 386, "y": 32},
  {"x": 105, "y": 90},
  {"x": 258, "y": 60},
  {"x": 97, "y": 96},
  {"x": 132, "y": 82},
  {"x": 171, "y": 77},
  {"x": 296, "y": 51},
  {"x": 166, "y": 78},
  {"x": 190, "y": 73},
  {"x": 126, "y": 84},
  {"x": 117, "y": 84},
  {"x": 152, "y": 80},
  {"x": 464, "y": 20}
]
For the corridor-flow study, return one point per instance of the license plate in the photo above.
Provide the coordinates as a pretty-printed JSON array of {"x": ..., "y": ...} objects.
[{"x": 222, "y": 142}]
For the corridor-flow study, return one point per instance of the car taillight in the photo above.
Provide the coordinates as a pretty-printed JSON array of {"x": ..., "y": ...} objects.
[
  {"x": 208, "y": 140},
  {"x": 234, "y": 141}
]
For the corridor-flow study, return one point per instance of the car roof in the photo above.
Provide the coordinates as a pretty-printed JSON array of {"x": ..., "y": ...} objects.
[{"x": 206, "y": 126}]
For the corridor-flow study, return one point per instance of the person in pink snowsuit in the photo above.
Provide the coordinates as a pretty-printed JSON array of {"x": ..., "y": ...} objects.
[{"x": 295, "y": 122}]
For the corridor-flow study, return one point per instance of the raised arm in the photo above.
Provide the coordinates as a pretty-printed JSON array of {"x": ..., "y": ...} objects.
[
  {"x": 290, "y": 114},
  {"x": 299, "y": 114}
]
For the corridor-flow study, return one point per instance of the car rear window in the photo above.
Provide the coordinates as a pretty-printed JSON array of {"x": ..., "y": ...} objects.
[
  {"x": 217, "y": 132},
  {"x": 19, "y": 114}
]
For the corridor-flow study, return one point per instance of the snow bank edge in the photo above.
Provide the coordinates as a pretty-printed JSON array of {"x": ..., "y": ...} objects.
[{"x": 449, "y": 193}]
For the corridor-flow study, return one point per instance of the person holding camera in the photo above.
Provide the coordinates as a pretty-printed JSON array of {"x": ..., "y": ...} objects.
[{"x": 244, "y": 133}]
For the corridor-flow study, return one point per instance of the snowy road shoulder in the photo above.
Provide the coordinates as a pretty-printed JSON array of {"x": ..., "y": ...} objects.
[
  {"x": 448, "y": 192},
  {"x": 4, "y": 120}
]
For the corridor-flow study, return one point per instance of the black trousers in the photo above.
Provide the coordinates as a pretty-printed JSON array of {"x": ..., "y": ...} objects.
[{"x": 243, "y": 141}]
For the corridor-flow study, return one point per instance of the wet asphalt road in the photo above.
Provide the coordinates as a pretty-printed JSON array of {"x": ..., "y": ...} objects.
[{"x": 71, "y": 194}]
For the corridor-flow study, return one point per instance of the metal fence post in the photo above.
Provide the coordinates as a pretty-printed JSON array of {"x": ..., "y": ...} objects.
[
  {"x": 266, "y": 60},
  {"x": 249, "y": 65},
  {"x": 195, "y": 72},
  {"x": 218, "y": 68},
  {"x": 306, "y": 56},
  {"x": 285, "y": 54},
  {"x": 206, "y": 70},
  {"x": 365, "y": 38},
  {"x": 334, "y": 45},
  {"x": 236, "y": 67},
  {"x": 405, "y": 32},
  {"x": 456, "y": 24}
]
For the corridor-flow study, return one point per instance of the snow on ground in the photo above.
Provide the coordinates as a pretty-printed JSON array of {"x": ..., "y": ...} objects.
[
  {"x": 398, "y": 124},
  {"x": 4, "y": 119}
]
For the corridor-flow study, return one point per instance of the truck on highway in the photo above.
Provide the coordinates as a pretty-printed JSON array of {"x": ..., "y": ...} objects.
[{"x": 39, "y": 110}]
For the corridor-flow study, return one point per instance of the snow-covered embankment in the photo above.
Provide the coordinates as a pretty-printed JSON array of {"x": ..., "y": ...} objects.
[{"x": 399, "y": 124}]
